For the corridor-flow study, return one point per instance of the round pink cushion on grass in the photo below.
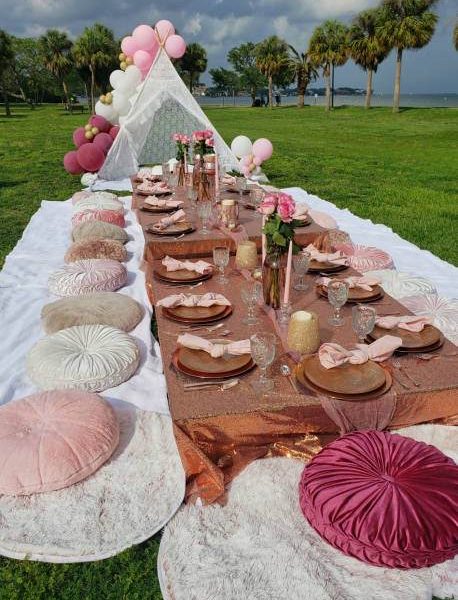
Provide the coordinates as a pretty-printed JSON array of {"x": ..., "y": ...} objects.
[
  {"x": 51, "y": 440},
  {"x": 108, "y": 216},
  {"x": 383, "y": 498},
  {"x": 366, "y": 258}
]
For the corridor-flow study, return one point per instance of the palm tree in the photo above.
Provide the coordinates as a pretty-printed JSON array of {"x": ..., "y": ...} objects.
[
  {"x": 404, "y": 25},
  {"x": 6, "y": 61},
  {"x": 328, "y": 49},
  {"x": 366, "y": 47},
  {"x": 304, "y": 72},
  {"x": 271, "y": 60},
  {"x": 95, "y": 49},
  {"x": 56, "y": 49},
  {"x": 193, "y": 63}
]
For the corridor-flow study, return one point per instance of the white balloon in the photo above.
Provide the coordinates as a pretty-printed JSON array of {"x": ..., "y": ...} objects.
[
  {"x": 105, "y": 110},
  {"x": 132, "y": 77},
  {"x": 116, "y": 78},
  {"x": 121, "y": 103},
  {"x": 241, "y": 146}
]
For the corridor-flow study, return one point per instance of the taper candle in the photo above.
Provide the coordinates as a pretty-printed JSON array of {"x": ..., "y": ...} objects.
[
  {"x": 263, "y": 238},
  {"x": 288, "y": 273},
  {"x": 216, "y": 176},
  {"x": 185, "y": 165}
]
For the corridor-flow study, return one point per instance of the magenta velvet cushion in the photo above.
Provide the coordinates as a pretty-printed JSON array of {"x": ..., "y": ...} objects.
[
  {"x": 52, "y": 440},
  {"x": 383, "y": 498}
]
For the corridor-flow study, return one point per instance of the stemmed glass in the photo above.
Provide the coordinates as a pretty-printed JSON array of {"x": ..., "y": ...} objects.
[
  {"x": 241, "y": 185},
  {"x": 173, "y": 180},
  {"x": 301, "y": 265},
  {"x": 251, "y": 293},
  {"x": 363, "y": 320},
  {"x": 263, "y": 346},
  {"x": 257, "y": 196},
  {"x": 204, "y": 209},
  {"x": 337, "y": 296},
  {"x": 221, "y": 260},
  {"x": 165, "y": 172},
  {"x": 192, "y": 196}
]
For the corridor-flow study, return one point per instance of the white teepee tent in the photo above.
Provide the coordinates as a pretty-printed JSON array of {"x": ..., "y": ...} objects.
[{"x": 162, "y": 107}]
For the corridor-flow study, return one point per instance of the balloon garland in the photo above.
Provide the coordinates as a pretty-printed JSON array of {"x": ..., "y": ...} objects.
[{"x": 251, "y": 155}]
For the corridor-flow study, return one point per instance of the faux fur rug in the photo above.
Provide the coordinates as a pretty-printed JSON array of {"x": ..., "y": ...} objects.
[
  {"x": 125, "y": 502},
  {"x": 260, "y": 547}
]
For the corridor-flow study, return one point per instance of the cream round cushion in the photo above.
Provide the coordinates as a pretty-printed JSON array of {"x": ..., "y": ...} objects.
[
  {"x": 102, "y": 308},
  {"x": 86, "y": 357},
  {"x": 51, "y": 440},
  {"x": 110, "y": 249},
  {"x": 99, "y": 230},
  {"x": 98, "y": 202},
  {"x": 87, "y": 276}
]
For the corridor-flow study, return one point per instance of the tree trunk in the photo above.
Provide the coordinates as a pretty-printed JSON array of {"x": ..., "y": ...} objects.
[
  {"x": 191, "y": 82},
  {"x": 271, "y": 93},
  {"x": 397, "y": 81},
  {"x": 253, "y": 95},
  {"x": 92, "y": 88},
  {"x": 301, "y": 85},
  {"x": 328, "y": 91},
  {"x": 368, "y": 89},
  {"x": 87, "y": 96},
  {"x": 67, "y": 99},
  {"x": 5, "y": 100}
]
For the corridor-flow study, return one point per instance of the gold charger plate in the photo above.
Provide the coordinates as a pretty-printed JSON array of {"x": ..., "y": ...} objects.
[
  {"x": 198, "y": 363},
  {"x": 410, "y": 340},
  {"x": 431, "y": 348},
  {"x": 357, "y": 295},
  {"x": 347, "y": 379},
  {"x": 142, "y": 193},
  {"x": 325, "y": 267},
  {"x": 176, "y": 229},
  {"x": 179, "y": 276},
  {"x": 304, "y": 223},
  {"x": 156, "y": 210},
  {"x": 195, "y": 319}
]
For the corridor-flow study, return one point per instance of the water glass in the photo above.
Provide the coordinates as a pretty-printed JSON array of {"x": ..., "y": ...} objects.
[
  {"x": 241, "y": 185},
  {"x": 221, "y": 260},
  {"x": 192, "y": 196},
  {"x": 301, "y": 265},
  {"x": 251, "y": 293},
  {"x": 257, "y": 196},
  {"x": 165, "y": 172},
  {"x": 363, "y": 321},
  {"x": 204, "y": 209},
  {"x": 337, "y": 296},
  {"x": 173, "y": 180},
  {"x": 263, "y": 347}
]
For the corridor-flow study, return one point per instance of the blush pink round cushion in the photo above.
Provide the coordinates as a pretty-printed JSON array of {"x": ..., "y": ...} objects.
[
  {"x": 383, "y": 498},
  {"x": 51, "y": 440},
  {"x": 366, "y": 258},
  {"x": 87, "y": 276},
  {"x": 108, "y": 216}
]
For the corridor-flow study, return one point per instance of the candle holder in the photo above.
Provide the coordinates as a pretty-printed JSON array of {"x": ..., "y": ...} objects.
[
  {"x": 284, "y": 314},
  {"x": 246, "y": 256},
  {"x": 303, "y": 332}
]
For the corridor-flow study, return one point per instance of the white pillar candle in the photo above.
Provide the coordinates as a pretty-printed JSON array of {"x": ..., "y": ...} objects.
[{"x": 288, "y": 273}]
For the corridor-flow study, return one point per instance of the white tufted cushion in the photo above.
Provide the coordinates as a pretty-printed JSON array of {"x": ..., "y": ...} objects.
[
  {"x": 86, "y": 357},
  {"x": 87, "y": 276},
  {"x": 98, "y": 202},
  {"x": 99, "y": 230}
]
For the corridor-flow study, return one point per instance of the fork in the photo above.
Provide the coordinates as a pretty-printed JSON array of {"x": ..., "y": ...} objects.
[
  {"x": 194, "y": 328},
  {"x": 189, "y": 286},
  {"x": 397, "y": 365}
]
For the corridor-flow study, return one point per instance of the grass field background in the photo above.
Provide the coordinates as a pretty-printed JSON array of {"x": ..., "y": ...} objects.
[{"x": 400, "y": 170}]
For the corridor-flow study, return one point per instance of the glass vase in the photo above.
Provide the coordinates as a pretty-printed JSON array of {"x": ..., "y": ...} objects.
[
  {"x": 197, "y": 172},
  {"x": 273, "y": 278},
  {"x": 180, "y": 171}
]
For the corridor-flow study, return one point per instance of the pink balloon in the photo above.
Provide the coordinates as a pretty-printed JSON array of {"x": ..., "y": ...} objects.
[
  {"x": 79, "y": 137},
  {"x": 71, "y": 164},
  {"x": 263, "y": 149},
  {"x": 246, "y": 160},
  {"x": 114, "y": 131},
  {"x": 175, "y": 46},
  {"x": 90, "y": 157},
  {"x": 145, "y": 37},
  {"x": 164, "y": 28},
  {"x": 129, "y": 45},
  {"x": 257, "y": 161},
  {"x": 100, "y": 122},
  {"x": 143, "y": 60},
  {"x": 103, "y": 141}
]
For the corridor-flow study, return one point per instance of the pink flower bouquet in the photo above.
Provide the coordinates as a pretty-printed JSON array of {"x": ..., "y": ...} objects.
[
  {"x": 183, "y": 142},
  {"x": 279, "y": 224},
  {"x": 203, "y": 142}
]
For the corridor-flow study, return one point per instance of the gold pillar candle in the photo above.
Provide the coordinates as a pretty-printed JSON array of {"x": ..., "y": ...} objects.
[
  {"x": 303, "y": 332},
  {"x": 247, "y": 255},
  {"x": 229, "y": 212}
]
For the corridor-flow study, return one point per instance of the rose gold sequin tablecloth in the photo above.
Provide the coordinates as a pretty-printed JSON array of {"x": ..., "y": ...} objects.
[{"x": 219, "y": 433}]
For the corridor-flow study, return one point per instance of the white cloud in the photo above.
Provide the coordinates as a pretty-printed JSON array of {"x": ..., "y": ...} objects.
[{"x": 194, "y": 25}]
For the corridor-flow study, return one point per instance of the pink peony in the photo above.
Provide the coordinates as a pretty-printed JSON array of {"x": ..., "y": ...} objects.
[
  {"x": 268, "y": 205},
  {"x": 286, "y": 207},
  {"x": 210, "y": 143},
  {"x": 176, "y": 137}
]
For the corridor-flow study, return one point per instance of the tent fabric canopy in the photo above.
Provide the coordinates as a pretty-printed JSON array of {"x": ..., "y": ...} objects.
[{"x": 162, "y": 107}]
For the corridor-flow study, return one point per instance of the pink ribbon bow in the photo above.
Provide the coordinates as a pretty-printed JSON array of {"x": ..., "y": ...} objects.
[
  {"x": 175, "y": 217},
  {"x": 215, "y": 350},
  {"x": 173, "y": 264},
  {"x": 154, "y": 188},
  {"x": 333, "y": 355},
  {"x": 335, "y": 258},
  {"x": 364, "y": 282},
  {"x": 408, "y": 322},
  {"x": 209, "y": 299},
  {"x": 229, "y": 180}
]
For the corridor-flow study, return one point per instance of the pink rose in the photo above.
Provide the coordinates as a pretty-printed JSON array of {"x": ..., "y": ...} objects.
[
  {"x": 208, "y": 133},
  {"x": 268, "y": 205},
  {"x": 210, "y": 143},
  {"x": 286, "y": 207},
  {"x": 176, "y": 137}
]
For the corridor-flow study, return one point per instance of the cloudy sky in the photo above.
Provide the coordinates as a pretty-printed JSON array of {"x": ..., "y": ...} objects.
[{"x": 221, "y": 24}]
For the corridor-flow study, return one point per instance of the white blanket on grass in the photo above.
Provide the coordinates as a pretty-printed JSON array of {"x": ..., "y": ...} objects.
[{"x": 24, "y": 291}]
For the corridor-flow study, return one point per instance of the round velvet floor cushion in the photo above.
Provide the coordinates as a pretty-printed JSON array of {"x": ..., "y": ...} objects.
[
  {"x": 104, "y": 308},
  {"x": 98, "y": 203},
  {"x": 383, "y": 498},
  {"x": 84, "y": 249},
  {"x": 99, "y": 230},
  {"x": 86, "y": 357},
  {"x": 51, "y": 440},
  {"x": 96, "y": 214},
  {"x": 78, "y": 196},
  {"x": 88, "y": 276}
]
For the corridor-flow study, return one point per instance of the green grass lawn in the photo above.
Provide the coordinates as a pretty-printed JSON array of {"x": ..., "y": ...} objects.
[{"x": 400, "y": 170}]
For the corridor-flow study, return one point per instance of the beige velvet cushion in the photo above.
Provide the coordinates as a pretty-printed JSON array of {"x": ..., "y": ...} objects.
[
  {"x": 110, "y": 249},
  {"x": 51, "y": 440},
  {"x": 87, "y": 276},
  {"x": 86, "y": 357},
  {"x": 104, "y": 308},
  {"x": 99, "y": 230}
]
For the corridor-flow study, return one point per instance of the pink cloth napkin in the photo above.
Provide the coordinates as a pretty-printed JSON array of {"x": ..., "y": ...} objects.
[
  {"x": 162, "y": 202},
  {"x": 175, "y": 217},
  {"x": 194, "y": 342},
  {"x": 229, "y": 180},
  {"x": 364, "y": 282},
  {"x": 409, "y": 323},
  {"x": 154, "y": 188},
  {"x": 333, "y": 355},
  {"x": 336, "y": 258},
  {"x": 301, "y": 213},
  {"x": 172, "y": 264},
  {"x": 209, "y": 299}
]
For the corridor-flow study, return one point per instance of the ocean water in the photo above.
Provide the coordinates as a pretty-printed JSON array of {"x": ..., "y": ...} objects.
[{"x": 407, "y": 100}]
